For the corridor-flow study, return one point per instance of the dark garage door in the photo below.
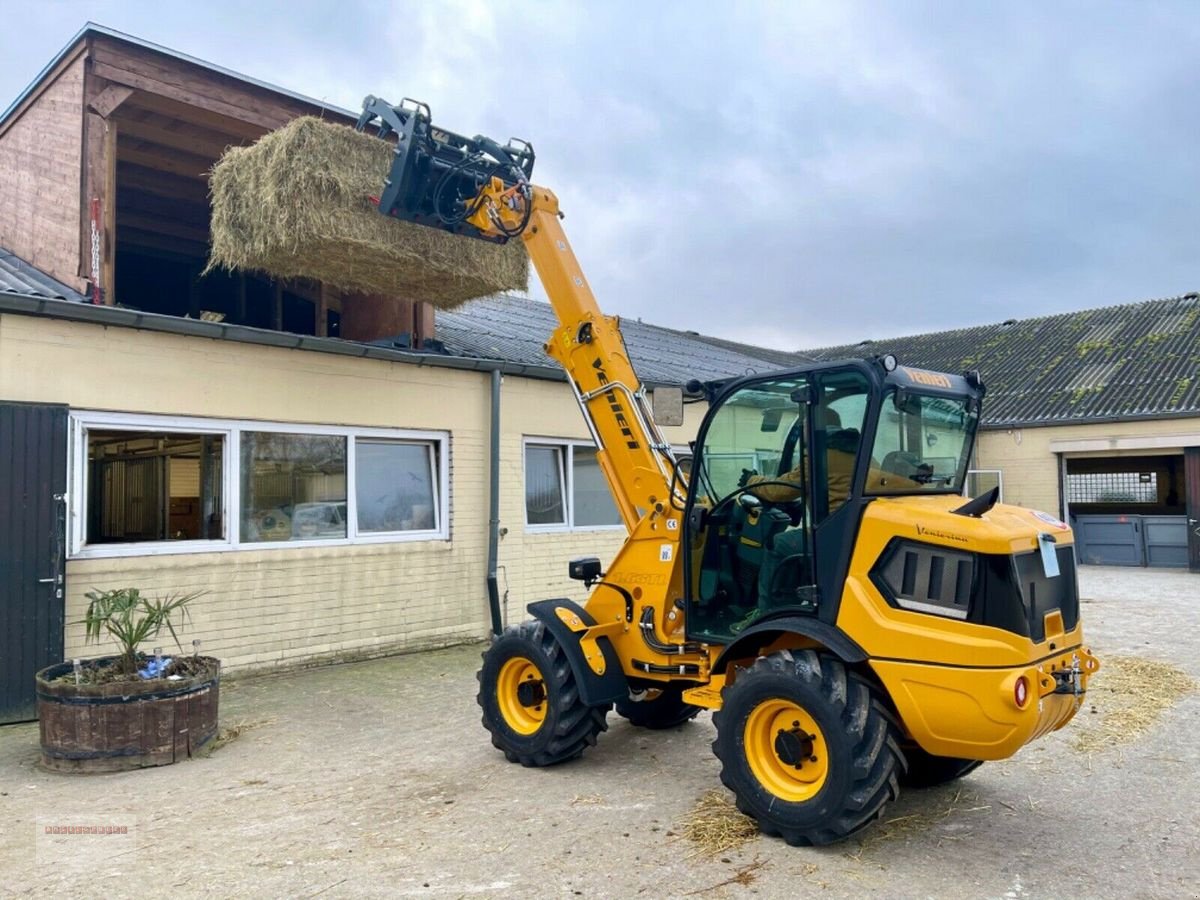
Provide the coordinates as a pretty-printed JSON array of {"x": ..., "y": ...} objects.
[
  {"x": 1132, "y": 540},
  {"x": 33, "y": 485}
]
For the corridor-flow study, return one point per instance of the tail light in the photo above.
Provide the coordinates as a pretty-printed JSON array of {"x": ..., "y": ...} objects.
[{"x": 1021, "y": 692}]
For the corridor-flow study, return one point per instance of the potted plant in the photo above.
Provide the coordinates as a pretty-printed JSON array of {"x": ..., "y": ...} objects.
[{"x": 132, "y": 709}]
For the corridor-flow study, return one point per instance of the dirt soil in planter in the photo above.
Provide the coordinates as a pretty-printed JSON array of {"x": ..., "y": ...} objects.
[{"x": 105, "y": 670}]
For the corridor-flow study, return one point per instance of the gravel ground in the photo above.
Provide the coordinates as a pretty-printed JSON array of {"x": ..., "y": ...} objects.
[{"x": 375, "y": 779}]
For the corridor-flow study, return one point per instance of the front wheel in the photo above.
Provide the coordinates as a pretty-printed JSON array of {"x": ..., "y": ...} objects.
[
  {"x": 808, "y": 749},
  {"x": 530, "y": 701}
]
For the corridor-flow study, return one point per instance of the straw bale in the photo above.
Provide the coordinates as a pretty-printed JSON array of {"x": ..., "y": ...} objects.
[{"x": 295, "y": 205}]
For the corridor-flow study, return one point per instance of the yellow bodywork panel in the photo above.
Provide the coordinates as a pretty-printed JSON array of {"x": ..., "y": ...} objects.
[{"x": 953, "y": 682}]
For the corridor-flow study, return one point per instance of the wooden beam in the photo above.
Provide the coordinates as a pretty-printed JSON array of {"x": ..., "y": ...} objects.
[
  {"x": 109, "y": 209},
  {"x": 185, "y": 211},
  {"x": 160, "y": 184},
  {"x": 176, "y": 135},
  {"x": 99, "y": 138},
  {"x": 277, "y": 307},
  {"x": 184, "y": 165},
  {"x": 173, "y": 76},
  {"x": 134, "y": 238},
  {"x": 270, "y": 119},
  {"x": 163, "y": 225},
  {"x": 176, "y": 111},
  {"x": 322, "y": 309},
  {"x": 106, "y": 102}
]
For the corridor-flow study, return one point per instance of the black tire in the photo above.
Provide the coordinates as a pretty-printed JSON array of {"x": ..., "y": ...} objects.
[
  {"x": 857, "y": 734},
  {"x": 926, "y": 770},
  {"x": 567, "y": 726},
  {"x": 666, "y": 710}
]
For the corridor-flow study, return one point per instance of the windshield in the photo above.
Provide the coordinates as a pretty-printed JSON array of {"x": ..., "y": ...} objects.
[{"x": 923, "y": 443}]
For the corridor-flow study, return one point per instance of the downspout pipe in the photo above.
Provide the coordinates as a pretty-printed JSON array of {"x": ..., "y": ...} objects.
[{"x": 494, "y": 507}]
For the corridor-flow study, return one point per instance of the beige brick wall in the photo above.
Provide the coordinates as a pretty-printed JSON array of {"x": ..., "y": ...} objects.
[
  {"x": 1030, "y": 466},
  {"x": 294, "y": 604}
]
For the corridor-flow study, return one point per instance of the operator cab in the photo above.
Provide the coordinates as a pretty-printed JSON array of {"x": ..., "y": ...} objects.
[{"x": 770, "y": 525}]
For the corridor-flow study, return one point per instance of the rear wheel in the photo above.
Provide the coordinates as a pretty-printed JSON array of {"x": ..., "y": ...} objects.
[
  {"x": 807, "y": 747},
  {"x": 530, "y": 700},
  {"x": 658, "y": 708},
  {"x": 926, "y": 770}
]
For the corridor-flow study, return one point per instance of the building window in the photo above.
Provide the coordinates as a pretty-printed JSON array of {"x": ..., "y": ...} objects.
[
  {"x": 397, "y": 486},
  {"x": 1112, "y": 487},
  {"x": 158, "y": 484},
  {"x": 293, "y": 486},
  {"x": 565, "y": 487},
  {"x": 980, "y": 481},
  {"x": 545, "y": 485}
]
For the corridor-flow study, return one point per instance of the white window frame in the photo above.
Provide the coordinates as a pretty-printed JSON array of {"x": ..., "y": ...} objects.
[
  {"x": 568, "y": 447},
  {"x": 999, "y": 473},
  {"x": 231, "y": 431}
]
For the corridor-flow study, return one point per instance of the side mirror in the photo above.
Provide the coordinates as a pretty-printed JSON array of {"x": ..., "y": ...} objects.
[{"x": 666, "y": 404}]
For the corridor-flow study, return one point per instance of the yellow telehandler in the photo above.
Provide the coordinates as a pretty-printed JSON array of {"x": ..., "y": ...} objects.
[{"x": 816, "y": 580}]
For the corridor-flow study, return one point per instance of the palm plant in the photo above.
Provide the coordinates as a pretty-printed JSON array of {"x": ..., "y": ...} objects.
[{"x": 129, "y": 618}]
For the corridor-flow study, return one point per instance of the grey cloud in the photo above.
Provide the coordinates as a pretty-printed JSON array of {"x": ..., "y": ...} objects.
[{"x": 792, "y": 173}]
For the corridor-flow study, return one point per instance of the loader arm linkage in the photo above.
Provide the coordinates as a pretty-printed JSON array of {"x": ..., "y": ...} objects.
[{"x": 477, "y": 188}]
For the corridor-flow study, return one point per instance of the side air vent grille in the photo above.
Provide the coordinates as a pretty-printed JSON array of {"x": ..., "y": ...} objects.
[{"x": 927, "y": 578}]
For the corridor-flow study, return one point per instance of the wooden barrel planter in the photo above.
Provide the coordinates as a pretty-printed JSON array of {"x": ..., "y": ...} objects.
[{"x": 125, "y": 725}]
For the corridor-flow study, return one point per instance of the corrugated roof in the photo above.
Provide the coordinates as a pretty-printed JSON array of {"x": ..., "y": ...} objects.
[
  {"x": 514, "y": 328},
  {"x": 20, "y": 278},
  {"x": 1131, "y": 361}
]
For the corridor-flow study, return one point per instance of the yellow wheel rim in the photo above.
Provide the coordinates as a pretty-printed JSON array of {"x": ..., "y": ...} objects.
[
  {"x": 521, "y": 695},
  {"x": 786, "y": 750}
]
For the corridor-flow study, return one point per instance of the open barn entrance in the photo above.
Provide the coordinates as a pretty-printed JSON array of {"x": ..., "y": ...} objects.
[
  {"x": 1129, "y": 510},
  {"x": 164, "y": 151}
]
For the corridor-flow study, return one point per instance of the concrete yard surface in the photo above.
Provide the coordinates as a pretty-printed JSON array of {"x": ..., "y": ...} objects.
[{"x": 375, "y": 779}]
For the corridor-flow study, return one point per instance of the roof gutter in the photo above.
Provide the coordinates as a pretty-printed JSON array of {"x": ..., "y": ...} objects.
[{"x": 70, "y": 311}]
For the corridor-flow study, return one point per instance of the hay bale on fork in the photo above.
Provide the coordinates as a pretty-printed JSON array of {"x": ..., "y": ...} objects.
[{"x": 295, "y": 204}]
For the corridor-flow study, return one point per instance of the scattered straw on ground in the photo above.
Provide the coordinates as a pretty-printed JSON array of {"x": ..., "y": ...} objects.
[
  {"x": 745, "y": 876},
  {"x": 1125, "y": 699},
  {"x": 714, "y": 825},
  {"x": 296, "y": 205},
  {"x": 918, "y": 824}
]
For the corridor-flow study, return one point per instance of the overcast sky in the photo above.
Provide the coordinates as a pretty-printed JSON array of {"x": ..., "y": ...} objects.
[{"x": 791, "y": 174}]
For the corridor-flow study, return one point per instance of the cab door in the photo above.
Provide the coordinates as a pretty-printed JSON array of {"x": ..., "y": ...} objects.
[{"x": 748, "y": 547}]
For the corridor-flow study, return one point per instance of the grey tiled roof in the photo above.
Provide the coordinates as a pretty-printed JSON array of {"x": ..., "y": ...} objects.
[
  {"x": 514, "y": 329},
  {"x": 19, "y": 277},
  {"x": 1118, "y": 362}
]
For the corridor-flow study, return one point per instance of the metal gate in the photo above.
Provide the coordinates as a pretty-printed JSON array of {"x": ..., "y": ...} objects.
[
  {"x": 1191, "y": 472},
  {"x": 33, "y": 486},
  {"x": 1160, "y": 541}
]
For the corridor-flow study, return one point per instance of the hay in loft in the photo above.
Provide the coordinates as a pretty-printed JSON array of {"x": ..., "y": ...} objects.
[{"x": 296, "y": 205}]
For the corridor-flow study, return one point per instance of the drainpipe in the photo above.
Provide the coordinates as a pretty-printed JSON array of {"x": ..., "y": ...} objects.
[{"x": 494, "y": 507}]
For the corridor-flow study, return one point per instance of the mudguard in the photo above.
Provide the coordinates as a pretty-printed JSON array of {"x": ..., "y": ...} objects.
[
  {"x": 827, "y": 635},
  {"x": 594, "y": 689}
]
